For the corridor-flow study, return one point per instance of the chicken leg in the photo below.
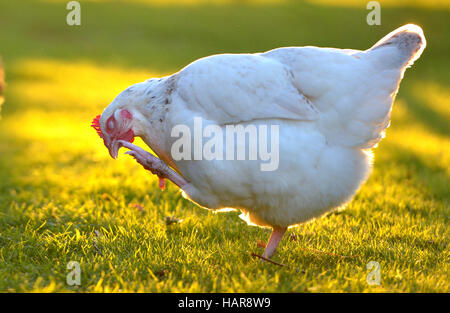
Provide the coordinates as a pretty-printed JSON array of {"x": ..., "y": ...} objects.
[
  {"x": 275, "y": 238},
  {"x": 154, "y": 165}
]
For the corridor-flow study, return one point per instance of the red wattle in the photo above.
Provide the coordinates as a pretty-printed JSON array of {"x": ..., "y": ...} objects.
[
  {"x": 162, "y": 183},
  {"x": 128, "y": 136}
]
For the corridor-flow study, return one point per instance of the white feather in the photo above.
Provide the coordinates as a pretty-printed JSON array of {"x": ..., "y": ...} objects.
[{"x": 331, "y": 106}]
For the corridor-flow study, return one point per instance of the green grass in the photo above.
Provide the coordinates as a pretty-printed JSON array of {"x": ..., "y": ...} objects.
[{"x": 63, "y": 198}]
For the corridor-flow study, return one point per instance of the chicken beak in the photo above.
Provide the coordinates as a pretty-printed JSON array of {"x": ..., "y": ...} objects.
[{"x": 113, "y": 148}]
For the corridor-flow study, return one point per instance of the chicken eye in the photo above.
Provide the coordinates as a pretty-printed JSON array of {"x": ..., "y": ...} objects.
[{"x": 110, "y": 125}]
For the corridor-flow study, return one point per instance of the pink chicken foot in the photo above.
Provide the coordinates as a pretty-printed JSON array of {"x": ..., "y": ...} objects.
[
  {"x": 274, "y": 241},
  {"x": 154, "y": 165}
]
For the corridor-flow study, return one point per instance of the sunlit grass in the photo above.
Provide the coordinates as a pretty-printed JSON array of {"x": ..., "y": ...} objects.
[
  {"x": 63, "y": 198},
  {"x": 345, "y": 3},
  {"x": 387, "y": 3},
  {"x": 82, "y": 85},
  {"x": 184, "y": 2}
]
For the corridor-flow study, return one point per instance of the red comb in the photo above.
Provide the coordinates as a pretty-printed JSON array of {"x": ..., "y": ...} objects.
[{"x": 96, "y": 125}]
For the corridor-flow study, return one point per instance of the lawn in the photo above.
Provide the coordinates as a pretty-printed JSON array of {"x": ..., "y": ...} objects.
[{"x": 62, "y": 198}]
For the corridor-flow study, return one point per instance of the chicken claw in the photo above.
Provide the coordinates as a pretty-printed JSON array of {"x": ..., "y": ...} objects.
[{"x": 154, "y": 165}]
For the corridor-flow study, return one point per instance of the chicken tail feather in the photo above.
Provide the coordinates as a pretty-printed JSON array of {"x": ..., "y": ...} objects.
[{"x": 408, "y": 39}]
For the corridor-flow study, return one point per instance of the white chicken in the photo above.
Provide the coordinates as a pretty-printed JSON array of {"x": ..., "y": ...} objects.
[{"x": 331, "y": 106}]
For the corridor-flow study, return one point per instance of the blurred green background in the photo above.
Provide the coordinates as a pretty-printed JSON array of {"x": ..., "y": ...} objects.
[{"x": 63, "y": 198}]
